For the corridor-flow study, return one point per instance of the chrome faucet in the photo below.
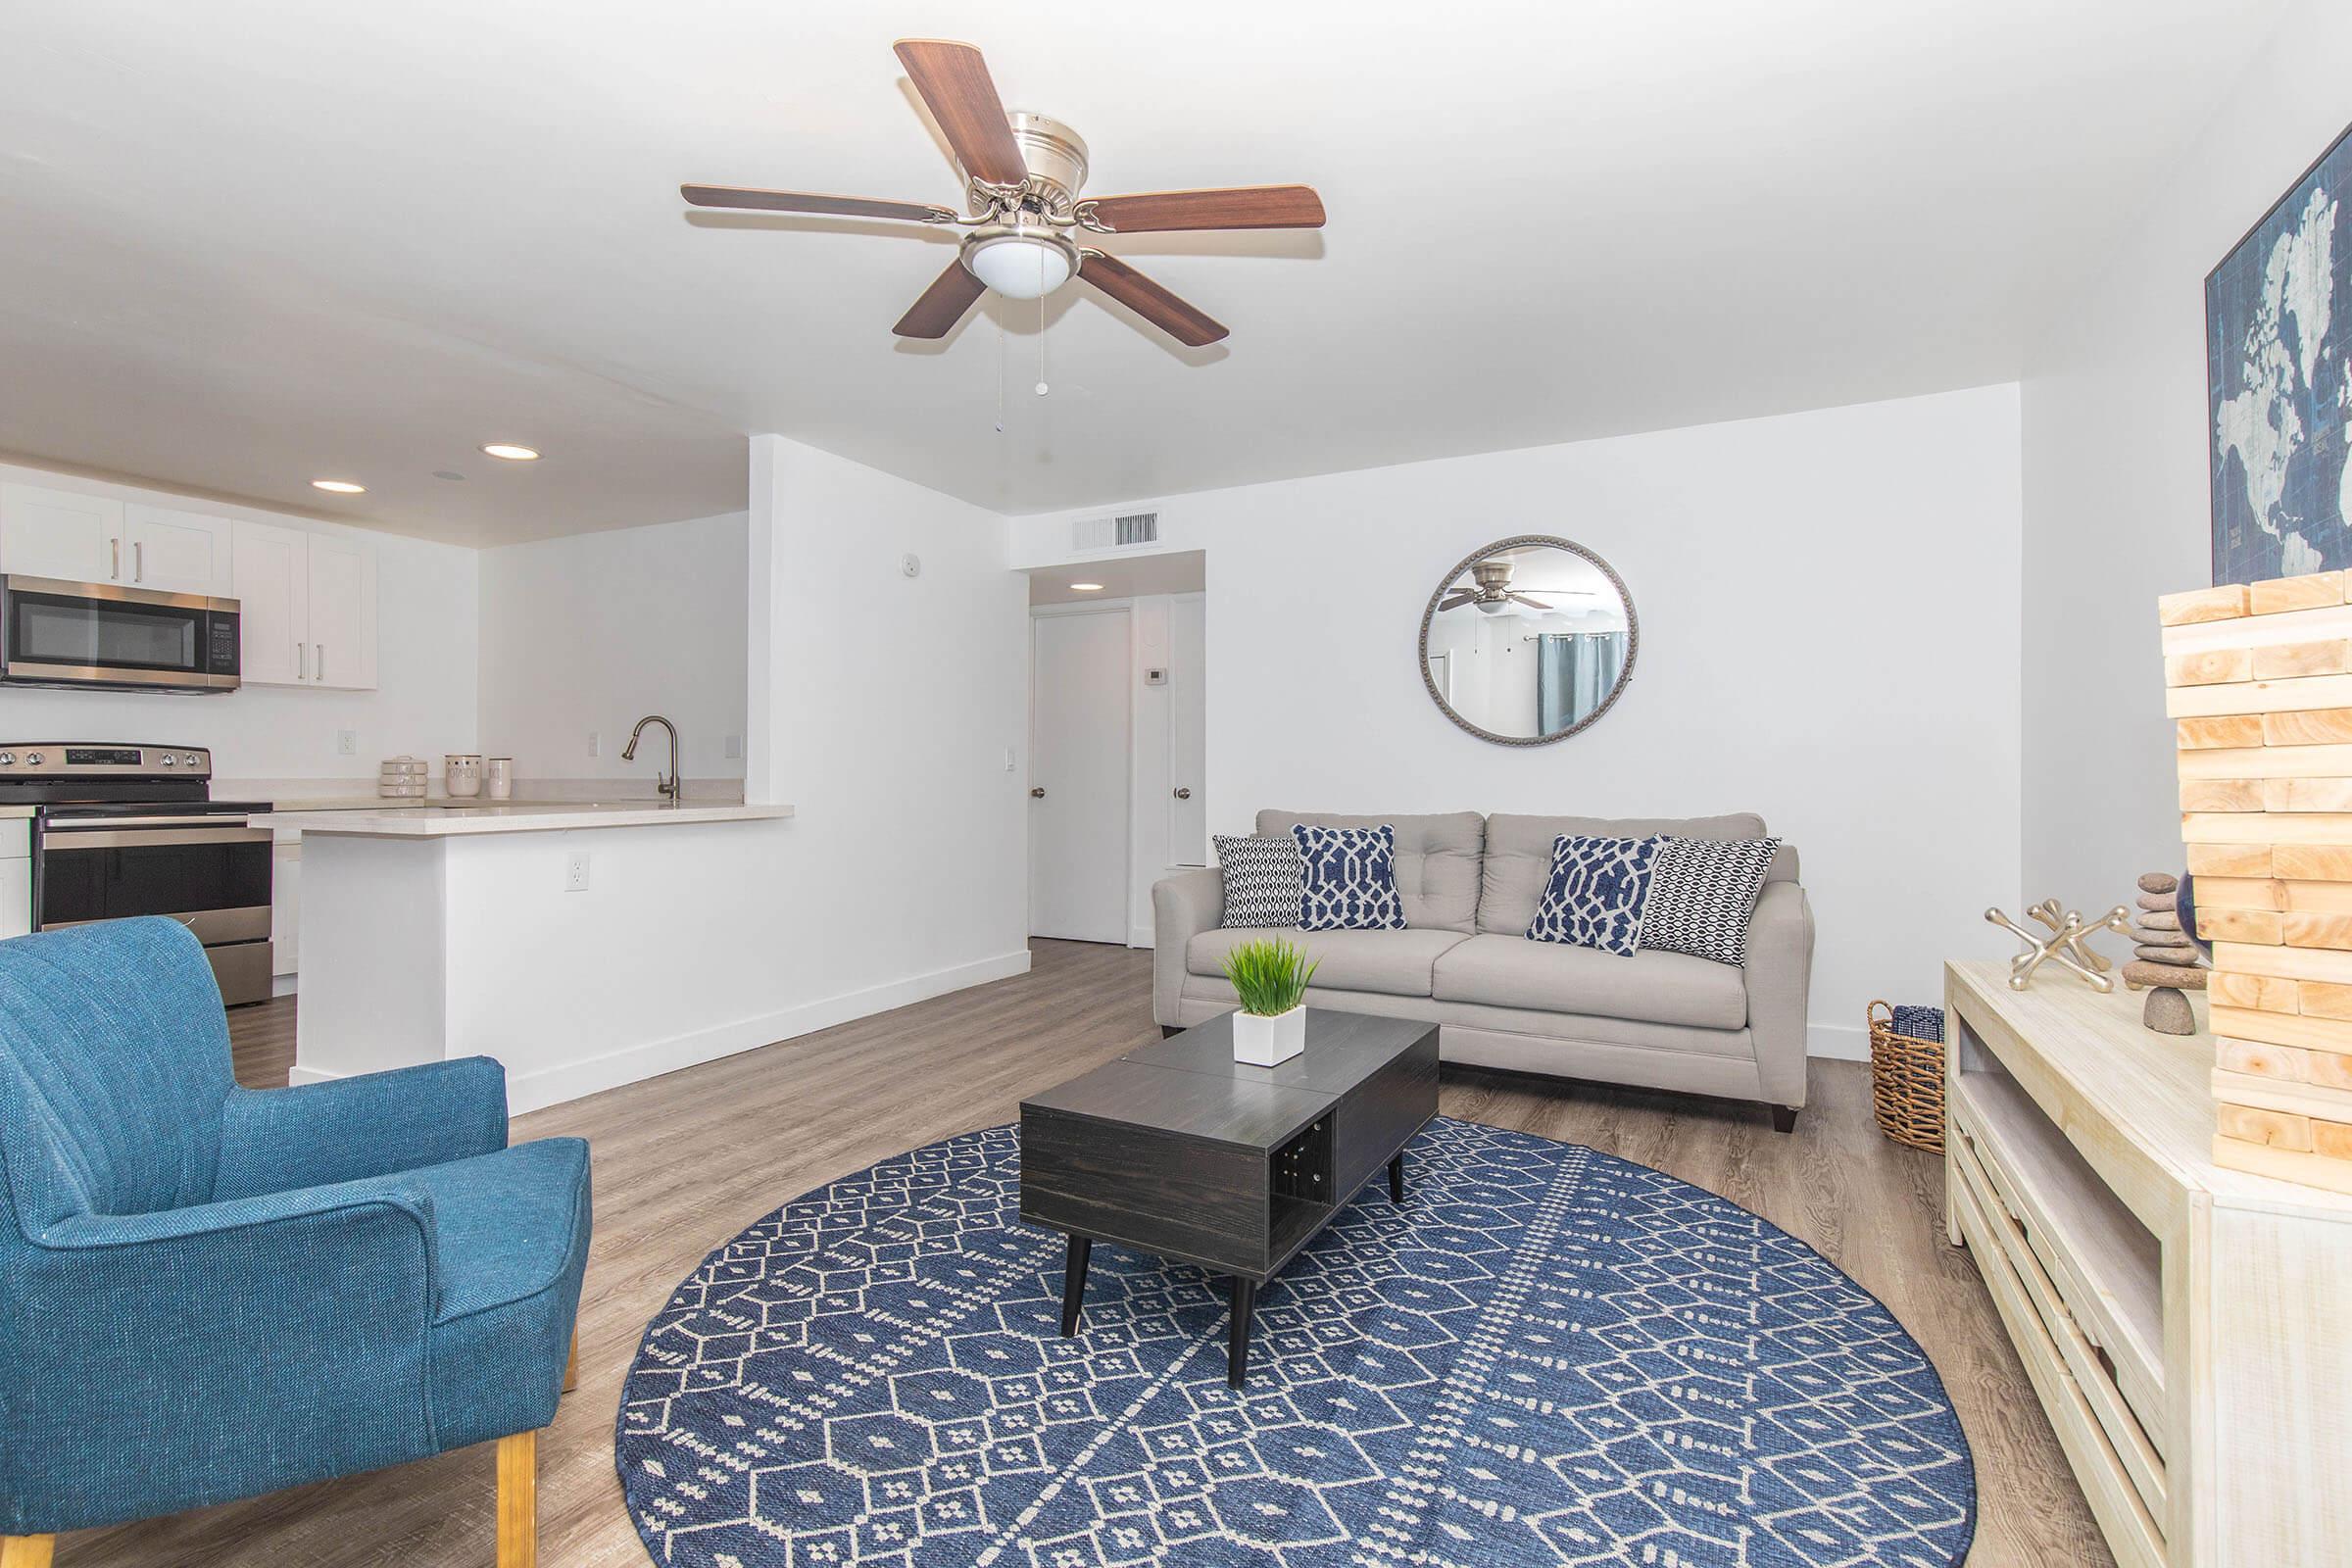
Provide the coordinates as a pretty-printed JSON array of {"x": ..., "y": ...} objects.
[{"x": 662, "y": 786}]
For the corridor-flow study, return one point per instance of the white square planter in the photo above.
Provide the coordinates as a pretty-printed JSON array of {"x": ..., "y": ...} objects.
[{"x": 1264, "y": 1042}]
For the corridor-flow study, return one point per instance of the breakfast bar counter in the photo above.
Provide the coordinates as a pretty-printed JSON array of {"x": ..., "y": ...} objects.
[{"x": 525, "y": 931}]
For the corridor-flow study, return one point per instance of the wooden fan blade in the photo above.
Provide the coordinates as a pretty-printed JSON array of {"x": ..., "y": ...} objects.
[
  {"x": 1455, "y": 602},
  {"x": 1166, "y": 211},
  {"x": 943, "y": 304},
  {"x": 1147, "y": 299},
  {"x": 955, "y": 84},
  {"x": 802, "y": 201}
]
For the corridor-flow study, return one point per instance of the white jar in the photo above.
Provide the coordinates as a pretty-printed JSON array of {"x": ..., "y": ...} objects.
[
  {"x": 462, "y": 773},
  {"x": 500, "y": 772}
]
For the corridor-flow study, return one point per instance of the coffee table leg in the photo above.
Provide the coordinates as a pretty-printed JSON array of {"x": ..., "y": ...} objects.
[
  {"x": 1396, "y": 1179},
  {"x": 1237, "y": 1344},
  {"x": 1073, "y": 1283}
]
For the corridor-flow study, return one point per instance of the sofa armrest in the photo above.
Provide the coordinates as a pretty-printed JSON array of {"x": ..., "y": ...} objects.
[
  {"x": 1183, "y": 906},
  {"x": 1780, "y": 980}
]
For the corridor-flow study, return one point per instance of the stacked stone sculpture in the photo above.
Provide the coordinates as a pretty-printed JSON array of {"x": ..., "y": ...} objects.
[{"x": 2164, "y": 958}]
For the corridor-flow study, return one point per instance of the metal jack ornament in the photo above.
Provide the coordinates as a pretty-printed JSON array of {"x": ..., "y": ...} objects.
[{"x": 2064, "y": 945}]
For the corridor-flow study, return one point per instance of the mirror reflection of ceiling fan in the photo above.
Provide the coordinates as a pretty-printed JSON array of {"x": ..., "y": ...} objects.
[
  {"x": 1493, "y": 596},
  {"x": 1022, "y": 175}
]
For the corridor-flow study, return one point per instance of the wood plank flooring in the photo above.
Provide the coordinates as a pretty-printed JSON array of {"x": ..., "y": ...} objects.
[{"x": 684, "y": 1161}]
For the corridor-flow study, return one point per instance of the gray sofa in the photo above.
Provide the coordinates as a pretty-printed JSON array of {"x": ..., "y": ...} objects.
[{"x": 1470, "y": 884}]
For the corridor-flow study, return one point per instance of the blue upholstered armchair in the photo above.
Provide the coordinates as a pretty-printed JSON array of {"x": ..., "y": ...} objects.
[{"x": 208, "y": 1292}]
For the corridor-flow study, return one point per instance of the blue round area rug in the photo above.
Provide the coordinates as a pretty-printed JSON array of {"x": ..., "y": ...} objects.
[{"x": 1545, "y": 1355}]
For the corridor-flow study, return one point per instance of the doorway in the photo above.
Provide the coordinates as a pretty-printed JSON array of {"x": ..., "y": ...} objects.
[
  {"x": 1118, "y": 740},
  {"x": 1081, "y": 718}
]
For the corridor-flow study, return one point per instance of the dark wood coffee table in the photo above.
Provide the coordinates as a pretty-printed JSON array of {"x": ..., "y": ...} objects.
[{"x": 1180, "y": 1151}]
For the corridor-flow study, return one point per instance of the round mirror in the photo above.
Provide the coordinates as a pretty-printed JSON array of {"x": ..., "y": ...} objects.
[{"x": 1529, "y": 640}]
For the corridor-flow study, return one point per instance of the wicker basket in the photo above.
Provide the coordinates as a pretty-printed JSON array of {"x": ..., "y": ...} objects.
[{"x": 1906, "y": 1083}]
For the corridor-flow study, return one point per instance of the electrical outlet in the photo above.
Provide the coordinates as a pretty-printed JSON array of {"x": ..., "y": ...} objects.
[
  {"x": 347, "y": 743},
  {"x": 575, "y": 871},
  {"x": 596, "y": 744},
  {"x": 734, "y": 747}
]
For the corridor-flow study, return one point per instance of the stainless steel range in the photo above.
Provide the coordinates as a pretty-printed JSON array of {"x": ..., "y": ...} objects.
[{"x": 127, "y": 830}]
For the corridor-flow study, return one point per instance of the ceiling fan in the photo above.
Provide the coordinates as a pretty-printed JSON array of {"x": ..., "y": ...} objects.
[
  {"x": 1493, "y": 596},
  {"x": 1022, "y": 177}
]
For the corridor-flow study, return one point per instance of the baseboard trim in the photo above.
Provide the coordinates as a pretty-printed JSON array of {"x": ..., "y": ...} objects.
[
  {"x": 553, "y": 1086},
  {"x": 1840, "y": 1041}
]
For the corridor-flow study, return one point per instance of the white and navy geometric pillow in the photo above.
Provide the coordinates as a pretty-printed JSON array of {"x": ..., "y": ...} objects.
[
  {"x": 1351, "y": 879},
  {"x": 1263, "y": 879},
  {"x": 1596, "y": 892},
  {"x": 1703, "y": 896}
]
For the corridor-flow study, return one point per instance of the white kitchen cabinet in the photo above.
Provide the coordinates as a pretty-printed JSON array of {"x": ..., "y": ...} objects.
[
  {"x": 308, "y": 599},
  {"x": 16, "y": 877},
  {"x": 60, "y": 533},
  {"x": 176, "y": 552},
  {"x": 342, "y": 610},
  {"x": 270, "y": 580}
]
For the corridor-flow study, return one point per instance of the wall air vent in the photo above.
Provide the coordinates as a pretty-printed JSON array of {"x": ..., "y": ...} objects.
[{"x": 1115, "y": 533}]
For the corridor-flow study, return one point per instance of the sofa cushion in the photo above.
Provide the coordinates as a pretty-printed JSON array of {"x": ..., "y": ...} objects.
[
  {"x": 1398, "y": 962},
  {"x": 1437, "y": 861},
  {"x": 1518, "y": 856},
  {"x": 1510, "y": 971}
]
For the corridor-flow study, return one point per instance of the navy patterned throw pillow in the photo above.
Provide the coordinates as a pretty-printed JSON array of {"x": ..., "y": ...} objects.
[
  {"x": 1349, "y": 878},
  {"x": 1262, "y": 879},
  {"x": 1596, "y": 892}
]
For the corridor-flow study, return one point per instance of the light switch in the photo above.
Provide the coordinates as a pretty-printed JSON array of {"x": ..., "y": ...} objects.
[{"x": 596, "y": 744}]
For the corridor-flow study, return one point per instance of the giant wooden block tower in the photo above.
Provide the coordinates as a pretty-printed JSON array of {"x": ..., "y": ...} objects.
[{"x": 2258, "y": 681}]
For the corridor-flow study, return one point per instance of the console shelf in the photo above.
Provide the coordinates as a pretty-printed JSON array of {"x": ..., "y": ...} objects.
[{"x": 2184, "y": 1327}]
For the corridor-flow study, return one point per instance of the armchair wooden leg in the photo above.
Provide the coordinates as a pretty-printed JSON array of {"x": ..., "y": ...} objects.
[
  {"x": 26, "y": 1551},
  {"x": 517, "y": 1501},
  {"x": 571, "y": 1367}
]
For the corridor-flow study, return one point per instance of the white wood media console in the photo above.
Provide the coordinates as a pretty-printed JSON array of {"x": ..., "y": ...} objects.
[{"x": 2188, "y": 1329}]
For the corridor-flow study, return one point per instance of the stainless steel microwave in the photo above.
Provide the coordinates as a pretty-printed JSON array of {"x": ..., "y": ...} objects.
[{"x": 97, "y": 634}]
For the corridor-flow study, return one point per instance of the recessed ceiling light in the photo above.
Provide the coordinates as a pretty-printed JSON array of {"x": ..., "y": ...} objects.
[
  {"x": 1086, "y": 587},
  {"x": 511, "y": 452},
  {"x": 341, "y": 487}
]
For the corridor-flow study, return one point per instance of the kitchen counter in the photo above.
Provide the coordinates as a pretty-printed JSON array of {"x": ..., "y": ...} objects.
[
  {"x": 433, "y": 821},
  {"x": 8, "y": 811}
]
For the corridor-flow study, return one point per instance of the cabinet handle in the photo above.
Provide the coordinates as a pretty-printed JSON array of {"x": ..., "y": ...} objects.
[
  {"x": 302, "y": 660},
  {"x": 115, "y": 571},
  {"x": 322, "y": 646},
  {"x": 139, "y": 560}
]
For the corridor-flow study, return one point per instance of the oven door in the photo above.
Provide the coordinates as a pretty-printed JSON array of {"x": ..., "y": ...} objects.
[
  {"x": 209, "y": 873},
  {"x": 56, "y": 633}
]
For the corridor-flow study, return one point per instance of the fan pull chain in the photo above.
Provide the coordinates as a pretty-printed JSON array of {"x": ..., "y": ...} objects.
[
  {"x": 1000, "y": 374},
  {"x": 1040, "y": 323}
]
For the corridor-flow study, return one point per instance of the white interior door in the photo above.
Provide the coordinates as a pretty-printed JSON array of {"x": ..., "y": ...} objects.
[
  {"x": 1187, "y": 740},
  {"x": 1079, "y": 694}
]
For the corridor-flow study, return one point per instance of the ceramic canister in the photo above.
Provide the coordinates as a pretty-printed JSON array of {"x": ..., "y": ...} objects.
[
  {"x": 500, "y": 772},
  {"x": 461, "y": 772}
]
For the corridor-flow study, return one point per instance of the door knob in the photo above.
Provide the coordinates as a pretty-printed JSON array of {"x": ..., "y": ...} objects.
[
  {"x": 1183, "y": 792},
  {"x": 1037, "y": 792}
]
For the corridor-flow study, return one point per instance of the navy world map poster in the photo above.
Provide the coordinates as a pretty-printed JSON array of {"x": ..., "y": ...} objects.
[{"x": 2279, "y": 384}]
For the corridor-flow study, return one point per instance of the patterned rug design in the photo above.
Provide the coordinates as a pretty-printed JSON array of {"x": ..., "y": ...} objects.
[{"x": 1547, "y": 1355}]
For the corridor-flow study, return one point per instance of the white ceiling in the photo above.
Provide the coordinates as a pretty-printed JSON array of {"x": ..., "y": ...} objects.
[
  {"x": 249, "y": 242},
  {"x": 1178, "y": 571}
]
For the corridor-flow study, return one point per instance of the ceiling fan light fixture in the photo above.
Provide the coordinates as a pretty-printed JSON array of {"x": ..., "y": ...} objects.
[{"x": 1021, "y": 264}]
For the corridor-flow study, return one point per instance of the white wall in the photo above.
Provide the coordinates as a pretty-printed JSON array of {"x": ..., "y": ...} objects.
[
  {"x": 2115, "y": 443},
  {"x": 589, "y": 633},
  {"x": 426, "y": 666},
  {"x": 884, "y": 709},
  {"x": 1829, "y": 636}
]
